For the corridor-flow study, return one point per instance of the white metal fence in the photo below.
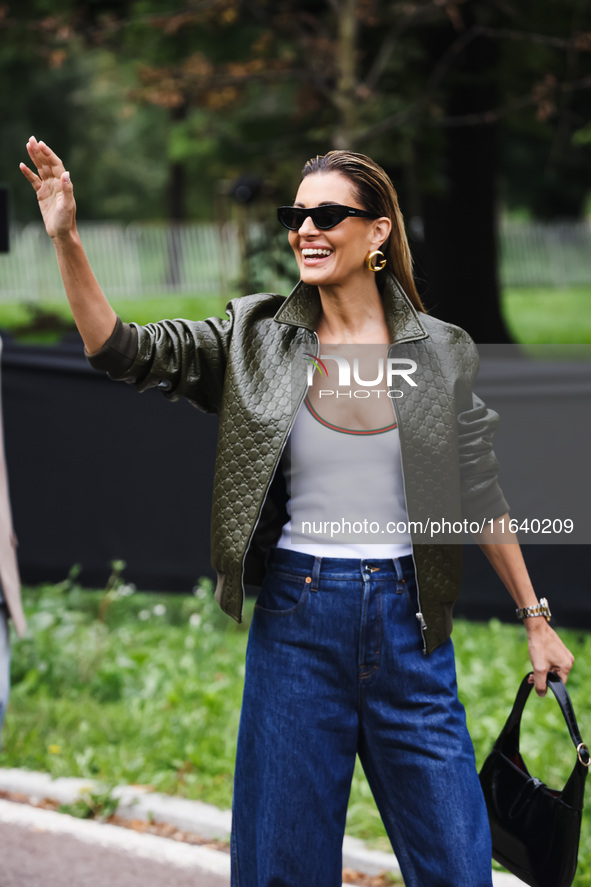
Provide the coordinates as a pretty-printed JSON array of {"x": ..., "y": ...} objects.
[
  {"x": 140, "y": 260},
  {"x": 130, "y": 261},
  {"x": 556, "y": 254}
]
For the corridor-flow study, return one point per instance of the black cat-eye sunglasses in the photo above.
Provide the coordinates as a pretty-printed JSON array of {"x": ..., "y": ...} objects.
[{"x": 324, "y": 217}]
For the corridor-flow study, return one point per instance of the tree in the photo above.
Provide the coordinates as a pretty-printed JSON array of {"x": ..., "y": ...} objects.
[
  {"x": 285, "y": 78},
  {"x": 446, "y": 94},
  {"x": 79, "y": 102}
]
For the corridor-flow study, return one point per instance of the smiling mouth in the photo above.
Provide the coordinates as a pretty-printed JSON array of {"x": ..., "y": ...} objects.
[{"x": 310, "y": 254}]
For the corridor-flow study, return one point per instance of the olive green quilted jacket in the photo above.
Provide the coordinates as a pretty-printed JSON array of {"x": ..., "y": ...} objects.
[{"x": 248, "y": 369}]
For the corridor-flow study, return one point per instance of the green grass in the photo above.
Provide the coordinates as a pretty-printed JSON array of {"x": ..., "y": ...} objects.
[
  {"x": 534, "y": 315},
  {"x": 14, "y": 317},
  {"x": 146, "y": 688},
  {"x": 548, "y": 315},
  {"x": 128, "y": 690}
]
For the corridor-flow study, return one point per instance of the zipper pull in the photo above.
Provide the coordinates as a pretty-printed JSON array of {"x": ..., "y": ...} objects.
[{"x": 421, "y": 619}]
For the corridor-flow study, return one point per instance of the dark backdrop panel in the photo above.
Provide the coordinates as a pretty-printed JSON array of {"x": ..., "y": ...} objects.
[
  {"x": 4, "y": 213},
  {"x": 99, "y": 472},
  {"x": 542, "y": 444},
  {"x": 558, "y": 572}
]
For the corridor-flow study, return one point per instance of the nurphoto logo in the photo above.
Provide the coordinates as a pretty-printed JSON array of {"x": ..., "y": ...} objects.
[
  {"x": 388, "y": 370},
  {"x": 353, "y": 388}
]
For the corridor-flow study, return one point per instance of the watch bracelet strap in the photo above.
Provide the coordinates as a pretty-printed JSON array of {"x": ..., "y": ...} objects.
[{"x": 539, "y": 609}]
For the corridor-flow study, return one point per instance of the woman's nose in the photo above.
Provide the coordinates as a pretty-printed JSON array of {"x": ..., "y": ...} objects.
[{"x": 308, "y": 226}]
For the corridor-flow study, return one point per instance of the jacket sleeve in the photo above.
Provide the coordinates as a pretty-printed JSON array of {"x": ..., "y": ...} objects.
[
  {"x": 182, "y": 358},
  {"x": 482, "y": 497}
]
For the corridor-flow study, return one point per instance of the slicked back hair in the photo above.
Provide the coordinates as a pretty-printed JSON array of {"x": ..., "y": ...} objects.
[{"x": 377, "y": 195}]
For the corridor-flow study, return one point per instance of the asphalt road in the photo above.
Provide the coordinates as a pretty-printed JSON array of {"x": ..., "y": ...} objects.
[{"x": 39, "y": 848}]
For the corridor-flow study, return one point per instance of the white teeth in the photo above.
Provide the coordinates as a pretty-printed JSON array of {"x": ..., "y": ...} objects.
[{"x": 316, "y": 252}]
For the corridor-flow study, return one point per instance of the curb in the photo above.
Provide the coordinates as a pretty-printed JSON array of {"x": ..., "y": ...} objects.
[
  {"x": 83, "y": 843},
  {"x": 205, "y": 820}
]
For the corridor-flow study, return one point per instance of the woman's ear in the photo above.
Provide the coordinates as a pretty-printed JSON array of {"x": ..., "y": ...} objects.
[{"x": 382, "y": 229}]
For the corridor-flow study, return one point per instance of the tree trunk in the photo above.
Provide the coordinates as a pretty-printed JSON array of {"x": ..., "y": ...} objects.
[
  {"x": 345, "y": 96},
  {"x": 460, "y": 255},
  {"x": 177, "y": 211}
]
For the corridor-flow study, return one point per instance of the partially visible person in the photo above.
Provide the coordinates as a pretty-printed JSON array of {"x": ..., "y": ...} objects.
[{"x": 10, "y": 586}]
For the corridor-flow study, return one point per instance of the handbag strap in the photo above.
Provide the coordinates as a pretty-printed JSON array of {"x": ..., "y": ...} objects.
[{"x": 508, "y": 740}]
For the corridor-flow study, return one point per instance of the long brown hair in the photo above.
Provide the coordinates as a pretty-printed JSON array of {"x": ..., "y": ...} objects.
[{"x": 376, "y": 194}]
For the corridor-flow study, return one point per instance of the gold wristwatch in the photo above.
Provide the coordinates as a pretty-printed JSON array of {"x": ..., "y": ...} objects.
[{"x": 541, "y": 609}]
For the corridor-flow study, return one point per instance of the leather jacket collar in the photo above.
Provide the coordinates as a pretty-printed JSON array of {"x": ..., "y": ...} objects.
[{"x": 302, "y": 308}]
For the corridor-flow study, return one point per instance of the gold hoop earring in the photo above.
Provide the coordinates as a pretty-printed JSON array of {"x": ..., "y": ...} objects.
[{"x": 380, "y": 261}]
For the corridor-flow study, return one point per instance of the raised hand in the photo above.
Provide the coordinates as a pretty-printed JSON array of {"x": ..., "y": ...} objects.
[
  {"x": 93, "y": 315},
  {"x": 53, "y": 187}
]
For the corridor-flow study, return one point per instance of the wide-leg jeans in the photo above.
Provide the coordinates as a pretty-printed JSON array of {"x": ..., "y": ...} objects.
[{"x": 335, "y": 668}]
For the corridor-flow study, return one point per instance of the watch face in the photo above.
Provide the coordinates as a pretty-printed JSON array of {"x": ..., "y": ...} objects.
[{"x": 546, "y": 607}]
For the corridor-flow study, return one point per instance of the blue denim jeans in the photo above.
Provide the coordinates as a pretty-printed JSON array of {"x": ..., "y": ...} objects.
[
  {"x": 4, "y": 664},
  {"x": 335, "y": 668}
]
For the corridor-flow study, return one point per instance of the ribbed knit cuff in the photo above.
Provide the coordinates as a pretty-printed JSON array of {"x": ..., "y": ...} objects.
[{"x": 119, "y": 351}]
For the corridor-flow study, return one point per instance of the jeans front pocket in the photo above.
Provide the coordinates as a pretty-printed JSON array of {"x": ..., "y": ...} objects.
[
  {"x": 409, "y": 590},
  {"x": 283, "y": 593}
]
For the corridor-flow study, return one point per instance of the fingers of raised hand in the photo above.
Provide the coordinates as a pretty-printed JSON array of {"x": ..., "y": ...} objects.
[
  {"x": 47, "y": 162},
  {"x": 30, "y": 176}
]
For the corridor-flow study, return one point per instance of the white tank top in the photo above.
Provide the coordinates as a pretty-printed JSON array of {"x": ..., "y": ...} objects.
[{"x": 345, "y": 491}]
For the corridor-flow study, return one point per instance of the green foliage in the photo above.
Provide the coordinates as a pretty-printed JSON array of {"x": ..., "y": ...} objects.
[
  {"x": 92, "y": 805},
  {"x": 32, "y": 323},
  {"x": 124, "y": 89},
  {"x": 544, "y": 149},
  {"x": 82, "y": 108},
  {"x": 115, "y": 148},
  {"x": 545, "y": 315},
  {"x": 141, "y": 691},
  {"x": 148, "y": 691},
  {"x": 491, "y": 662},
  {"x": 268, "y": 263}
]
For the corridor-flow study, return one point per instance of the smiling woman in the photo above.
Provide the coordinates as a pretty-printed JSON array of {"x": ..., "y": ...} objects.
[
  {"x": 349, "y": 649},
  {"x": 334, "y": 257},
  {"x": 375, "y": 197}
]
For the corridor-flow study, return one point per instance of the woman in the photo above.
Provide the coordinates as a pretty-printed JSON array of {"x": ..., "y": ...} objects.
[{"x": 349, "y": 650}]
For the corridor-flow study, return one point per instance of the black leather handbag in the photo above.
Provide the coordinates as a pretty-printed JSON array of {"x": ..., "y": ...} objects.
[{"x": 535, "y": 829}]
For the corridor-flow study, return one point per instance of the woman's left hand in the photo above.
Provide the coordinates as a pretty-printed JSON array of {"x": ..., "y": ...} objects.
[{"x": 546, "y": 652}]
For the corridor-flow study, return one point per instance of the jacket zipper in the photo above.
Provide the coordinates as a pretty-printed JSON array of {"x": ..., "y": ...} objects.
[
  {"x": 419, "y": 614},
  {"x": 272, "y": 475}
]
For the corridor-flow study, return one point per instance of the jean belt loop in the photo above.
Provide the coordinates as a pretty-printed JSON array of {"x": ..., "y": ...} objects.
[
  {"x": 316, "y": 574},
  {"x": 399, "y": 570}
]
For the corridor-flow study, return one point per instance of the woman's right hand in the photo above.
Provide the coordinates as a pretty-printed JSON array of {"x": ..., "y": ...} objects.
[
  {"x": 93, "y": 315},
  {"x": 53, "y": 187}
]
